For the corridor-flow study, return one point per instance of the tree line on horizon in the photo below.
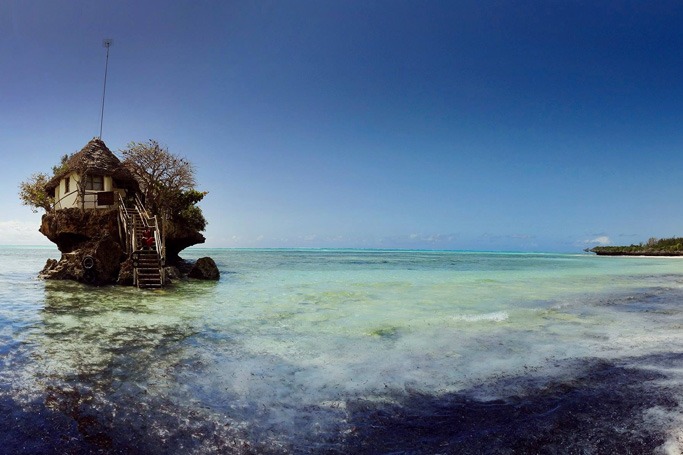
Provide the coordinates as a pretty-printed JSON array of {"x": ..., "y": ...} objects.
[{"x": 672, "y": 245}]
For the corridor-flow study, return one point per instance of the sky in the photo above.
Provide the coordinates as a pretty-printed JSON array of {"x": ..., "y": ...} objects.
[{"x": 475, "y": 125}]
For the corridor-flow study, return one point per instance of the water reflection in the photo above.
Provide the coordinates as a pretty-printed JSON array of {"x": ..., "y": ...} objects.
[{"x": 98, "y": 373}]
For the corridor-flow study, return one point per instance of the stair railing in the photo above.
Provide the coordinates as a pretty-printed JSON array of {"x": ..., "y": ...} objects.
[
  {"x": 153, "y": 223},
  {"x": 125, "y": 221},
  {"x": 150, "y": 222},
  {"x": 157, "y": 243},
  {"x": 141, "y": 208}
]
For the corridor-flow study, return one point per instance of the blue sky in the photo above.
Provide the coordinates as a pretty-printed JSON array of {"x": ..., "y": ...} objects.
[{"x": 486, "y": 125}]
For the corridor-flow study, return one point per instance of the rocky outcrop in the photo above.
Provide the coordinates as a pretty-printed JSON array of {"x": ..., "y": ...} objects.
[
  {"x": 205, "y": 269},
  {"x": 179, "y": 238},
  {"x": 172, "y": 273},
  {"x": 93, "y": 250},
  {"x": 71, "y": 228},
  {"x": 125, "y": 277},
  {"x": 95, "y": 261}
]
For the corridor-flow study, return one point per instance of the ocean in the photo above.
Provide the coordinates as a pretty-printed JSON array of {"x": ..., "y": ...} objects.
[{"x": 348, "y": 351}]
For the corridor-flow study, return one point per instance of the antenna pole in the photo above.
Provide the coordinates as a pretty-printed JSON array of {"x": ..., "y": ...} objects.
[{"x": 106, "y": 43}]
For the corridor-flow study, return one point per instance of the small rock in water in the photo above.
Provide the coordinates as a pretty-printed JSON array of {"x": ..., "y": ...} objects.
[{"x": 205, "y": 269}]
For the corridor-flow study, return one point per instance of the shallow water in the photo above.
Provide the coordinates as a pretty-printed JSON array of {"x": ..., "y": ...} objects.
[{"x": 314, "y": 351}]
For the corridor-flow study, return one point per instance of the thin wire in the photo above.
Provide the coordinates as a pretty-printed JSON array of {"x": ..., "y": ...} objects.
[{"x": 104, "y": 90}]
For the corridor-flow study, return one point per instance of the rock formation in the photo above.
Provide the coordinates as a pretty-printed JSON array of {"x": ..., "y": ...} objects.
[
  {"x": 177, "y": 239},
  {"x": 93, "y": 250},
  {"x": 205, "y": 269},
  {"x": 89, "y": 240}
]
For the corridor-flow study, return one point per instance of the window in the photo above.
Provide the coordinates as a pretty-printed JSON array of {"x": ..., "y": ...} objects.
[
  {"x": 94, "y": 182},
  {"x": 105, "y": 198},
  {"x": 66, "y": 184}
]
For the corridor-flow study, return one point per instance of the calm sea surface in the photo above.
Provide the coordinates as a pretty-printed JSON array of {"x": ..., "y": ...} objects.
[{"x": 339, "y": 351}]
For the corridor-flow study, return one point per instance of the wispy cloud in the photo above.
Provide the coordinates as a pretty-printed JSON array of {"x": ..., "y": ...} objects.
[
  {"x": 489, "y": 236},
  {"x": 15, "y": 232},
  {"x": 599, "y": 240},
  {"x": 432, "y": 238}
]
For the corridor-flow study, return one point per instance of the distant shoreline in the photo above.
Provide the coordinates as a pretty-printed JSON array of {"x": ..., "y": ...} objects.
[
  {"x": 654, "y": 247},
  {"x": 642, "y": 255}
]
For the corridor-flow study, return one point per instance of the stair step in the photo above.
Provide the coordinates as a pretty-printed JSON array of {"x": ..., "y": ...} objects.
[{"x": 147, "y": 260}]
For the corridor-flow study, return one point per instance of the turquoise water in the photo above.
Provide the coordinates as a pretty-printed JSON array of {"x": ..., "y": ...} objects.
[{"x": 311, "y": 351}]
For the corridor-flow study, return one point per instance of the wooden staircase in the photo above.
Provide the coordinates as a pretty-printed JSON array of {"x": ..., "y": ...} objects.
[
  {"x": 147, "y": 261},
  {"x": 147, "y": 270}
]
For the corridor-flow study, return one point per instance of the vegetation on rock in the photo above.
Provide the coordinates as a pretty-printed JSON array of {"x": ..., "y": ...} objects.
[
  {"x": 167, "y": 182},
  {"x": 33, "y": 194},
  {"x": 32, "y": 191}
]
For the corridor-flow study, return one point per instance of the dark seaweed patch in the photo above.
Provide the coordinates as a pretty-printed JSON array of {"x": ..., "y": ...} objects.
[
  {"x": 596, "y": 412},
  {"x": 650, "y": 300},
  {"x": 598, "y": 408}
]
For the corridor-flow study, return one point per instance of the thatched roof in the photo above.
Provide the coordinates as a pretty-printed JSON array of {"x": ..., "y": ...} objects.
[{"x": 96, "y": 159}]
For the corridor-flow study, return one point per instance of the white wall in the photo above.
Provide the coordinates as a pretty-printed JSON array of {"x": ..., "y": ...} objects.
[{"x": 64, "y": 200}]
